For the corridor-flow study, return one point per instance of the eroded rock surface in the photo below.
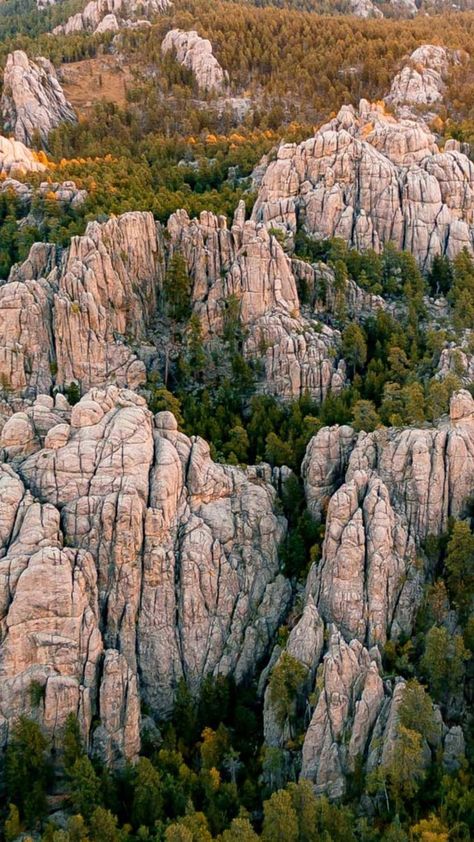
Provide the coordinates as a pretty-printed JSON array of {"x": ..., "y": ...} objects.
[
  {"x": 70, "y": 318},
  {"x": 16, "y": 159},
  {"x": 33, "y": 102},
  {"x": 384, "y": 492},
  {"x": 420, "y": 84},
  {"x": 390, "y": 490}
]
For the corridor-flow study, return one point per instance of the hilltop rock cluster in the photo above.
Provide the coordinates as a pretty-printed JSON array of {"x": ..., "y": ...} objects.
[
  {"x": 88, "y": 308},
  {"x": 195, "y": 53},
  {"x": 370, "y": 179},
  {"x": 110, "y": 15},
  {"x": 420, "y": 84},
  {"x": 33, "y": 102}
]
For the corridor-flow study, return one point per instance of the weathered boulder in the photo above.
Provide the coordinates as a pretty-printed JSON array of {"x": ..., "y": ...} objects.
[
  {"x": 324, "y": 466},
  {"x": 26, "y": 341},
  {"x": 65, "y": 192},
  {"x": 33, "y": 101},
  {"x": 351, "y": 694},
  {"x": 390, "y": 490},
  {"x": 195, "y": 53},
  {"x": 368, "y": 574}
]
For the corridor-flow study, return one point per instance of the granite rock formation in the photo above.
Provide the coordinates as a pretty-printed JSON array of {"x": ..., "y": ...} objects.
[
  {"x": 248, "y": 264},
  {"x": 195, "y": 53},
  {"x": 65, "y": 192},
  {"x": 16, "y": 159},
  {"x": 371, "y": 179},
  {"x": 33, "y": 102},
  {"x": 102, "y": 15},
  {"x": 154, "y": 563},
  {"x": 383, "y": 493},
  {"x": 420, "y": 84},
  {"x": 72, "y": 317},
  {"x": 93, "y": 304}
]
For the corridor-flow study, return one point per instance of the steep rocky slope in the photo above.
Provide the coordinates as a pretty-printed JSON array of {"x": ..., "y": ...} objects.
[
  {"x": 371, "y": 179},
  {"x": 33, "y": 102}
]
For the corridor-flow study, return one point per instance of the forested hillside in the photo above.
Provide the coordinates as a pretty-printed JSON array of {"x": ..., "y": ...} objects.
[{"x": 236, "y": 421}]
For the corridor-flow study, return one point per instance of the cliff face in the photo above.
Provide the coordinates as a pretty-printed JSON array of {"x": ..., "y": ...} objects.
[
  {"x": 384, "y": 493},
  {"x": 249, "y": 265},
  {"x": 127, "y": 551},
  {"x": 371, "y": 179},
  {"x": 33, "y": 101},
  {"x": 131, "y": 560}
]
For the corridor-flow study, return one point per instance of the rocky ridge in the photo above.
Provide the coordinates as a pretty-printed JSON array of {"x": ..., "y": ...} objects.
[
  {"x": 249, "y": 265},
  {"x": 33, "y": 102},
  {"x": 109, "y": 15},
  {"x": 90, "y": 306},
  {"x": 370, "y": 179},
  {"x": 195, "y": 53}
]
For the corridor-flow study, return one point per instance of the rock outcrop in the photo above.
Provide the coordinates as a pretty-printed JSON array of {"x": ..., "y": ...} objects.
[
  {"x": 390, "y": 490},
  {"x": 350, "y": 699},
  {"x": 384, "y": 493},
  {"x": 65, "y": 192},
  {"x": 371, "y": 179},
  {"x": 111, "y": 15},
  {"x": 33, "y": 102},
  {"x": 89, "y": 307},
  {"x": 365, "y": 9},
  {"x": 16, "y": 159},
  {"x": 248, "y": 265},
  {"x": 71, "y": 317},
  {"x": 420, "y": 84},
  {"x": 457, "y": 359},
  {"x": 195, "y": 53},
  {"x": 129, "y": 559}
]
